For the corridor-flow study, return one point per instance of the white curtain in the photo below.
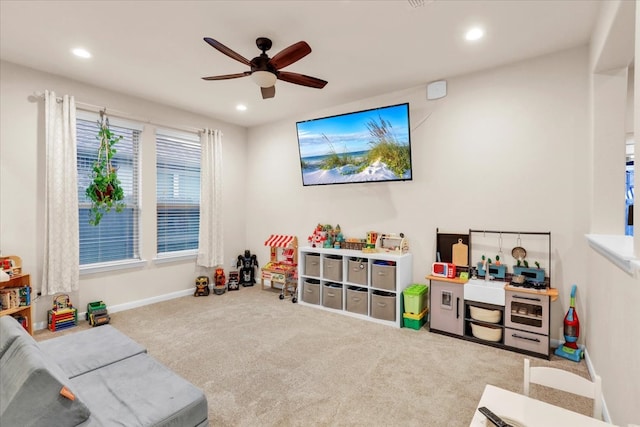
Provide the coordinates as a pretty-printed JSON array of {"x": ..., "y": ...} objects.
[
  {"x": 210, "y": 250},
  {"x": 61, "y": 240}
]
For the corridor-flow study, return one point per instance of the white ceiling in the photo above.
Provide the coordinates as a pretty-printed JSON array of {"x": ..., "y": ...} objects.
[{"x": 155, "y": 49}]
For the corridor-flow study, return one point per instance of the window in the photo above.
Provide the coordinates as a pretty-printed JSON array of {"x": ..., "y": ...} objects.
[
  {"x": 116, "y": 238},
  {"x": 178, "y": 191}
]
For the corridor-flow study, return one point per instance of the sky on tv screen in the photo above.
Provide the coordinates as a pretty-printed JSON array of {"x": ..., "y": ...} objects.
[{"x": 349, "y": 130}]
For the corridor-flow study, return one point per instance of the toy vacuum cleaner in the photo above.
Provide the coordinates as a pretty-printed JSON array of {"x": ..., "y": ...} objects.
[{"x": 570, "y": 349}]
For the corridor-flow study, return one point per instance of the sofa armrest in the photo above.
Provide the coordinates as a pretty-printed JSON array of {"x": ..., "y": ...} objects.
[
  {"x": 10, "y": 329},
  {"x": 34, "y": 391}
]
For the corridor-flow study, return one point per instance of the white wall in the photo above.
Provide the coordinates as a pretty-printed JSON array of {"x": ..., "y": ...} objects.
[
  {"x": 508, "y": 149},
  {"x": 613, "y": 296},
  {"x": 505, "y": 150},
  {"x": 22, "y": 197}
]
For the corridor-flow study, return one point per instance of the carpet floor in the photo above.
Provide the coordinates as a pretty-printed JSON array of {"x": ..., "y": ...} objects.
[{"x": 263, "y": 361}]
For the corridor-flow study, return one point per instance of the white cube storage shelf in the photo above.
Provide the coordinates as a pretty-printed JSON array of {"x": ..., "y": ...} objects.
[{"x": 363, "y": 285}]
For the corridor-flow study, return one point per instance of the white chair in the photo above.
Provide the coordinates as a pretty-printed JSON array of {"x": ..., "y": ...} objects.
[{"x": 565, "y": 381}]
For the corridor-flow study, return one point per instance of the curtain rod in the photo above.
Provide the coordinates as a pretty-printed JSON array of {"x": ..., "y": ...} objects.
[
  {"x": 540, "y": 233},
  {"x": 124, "y": 115}
]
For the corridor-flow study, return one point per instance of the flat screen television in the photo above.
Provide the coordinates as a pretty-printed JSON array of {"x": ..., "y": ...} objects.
[{"x": 363, "y": 146}]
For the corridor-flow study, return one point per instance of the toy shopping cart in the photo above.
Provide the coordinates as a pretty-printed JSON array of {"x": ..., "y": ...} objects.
[{"x": 290, "y": 287}]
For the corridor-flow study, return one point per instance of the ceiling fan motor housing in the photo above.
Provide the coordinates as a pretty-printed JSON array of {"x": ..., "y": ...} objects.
[
  {"x": 262, "y": 63},
  {"x": 263, "y": 43}
]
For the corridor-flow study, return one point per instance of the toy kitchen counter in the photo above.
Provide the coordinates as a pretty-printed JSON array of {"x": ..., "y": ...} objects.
[{"x": 492, "y": 312}]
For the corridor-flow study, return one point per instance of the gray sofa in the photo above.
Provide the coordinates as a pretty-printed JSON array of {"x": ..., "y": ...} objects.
[{"x": 95, "y": 377}]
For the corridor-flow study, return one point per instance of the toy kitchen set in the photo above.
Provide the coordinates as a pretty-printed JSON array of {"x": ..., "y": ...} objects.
[{"x": 494, "y": 288}]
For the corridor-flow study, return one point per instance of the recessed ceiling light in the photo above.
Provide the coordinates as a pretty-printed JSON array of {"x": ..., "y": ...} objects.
[
  {"x": 82, "y": 53},
  {"x": 241, "y": 107},
  {"x": 474, "y": 34}
]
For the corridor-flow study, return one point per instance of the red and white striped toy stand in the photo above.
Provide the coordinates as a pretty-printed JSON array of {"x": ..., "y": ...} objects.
[{"x": 283, "y": 262}]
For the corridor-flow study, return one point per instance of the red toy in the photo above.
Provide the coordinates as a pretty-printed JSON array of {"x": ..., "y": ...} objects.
[
  {"x": 219, "y": 281},
  {"x": 318, "y": 237}
]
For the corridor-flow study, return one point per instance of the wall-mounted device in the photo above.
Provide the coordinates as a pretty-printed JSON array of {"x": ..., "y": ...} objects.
[{"x": 437, "y": 90}]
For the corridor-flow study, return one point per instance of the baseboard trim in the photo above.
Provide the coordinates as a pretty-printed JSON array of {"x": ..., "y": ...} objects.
[
  {"x": 130, "y": 305},
  {"x": 592, "y": 373}
]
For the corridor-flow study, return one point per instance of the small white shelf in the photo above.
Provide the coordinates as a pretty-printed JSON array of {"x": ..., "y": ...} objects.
[
  {"x": 618, "y": 249},
  {"x": 334, "y": 279}
]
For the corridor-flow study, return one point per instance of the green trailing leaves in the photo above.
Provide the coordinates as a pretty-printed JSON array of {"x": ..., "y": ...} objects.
[{"x": 105, "y": 191}]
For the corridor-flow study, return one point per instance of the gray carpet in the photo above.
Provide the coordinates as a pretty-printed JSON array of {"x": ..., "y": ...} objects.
[{"x": 266, "y": 362}]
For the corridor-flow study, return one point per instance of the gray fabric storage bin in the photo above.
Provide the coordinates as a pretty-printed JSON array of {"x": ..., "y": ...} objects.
[
  {"x": 383, "y": 305},
  {"x": 312, "y": 265},
  {"x": 332, "y": 268},
  {"x": 357, "y": 300},
  {"x": 311, "y": 291},
  {"x": 357, "y": 271},
  {"x": 383, "y": 276},
  {"x": 332, "y": 295}
]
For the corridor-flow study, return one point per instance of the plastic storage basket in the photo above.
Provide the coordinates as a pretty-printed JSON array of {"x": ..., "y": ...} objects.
[
  {"x": 415, "y": 321},
  {"x": 414, "y": 297}
]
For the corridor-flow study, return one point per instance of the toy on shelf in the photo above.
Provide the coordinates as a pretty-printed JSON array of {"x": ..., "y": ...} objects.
[
  {"x": 353, "y": 244},
  {"x": 247, "y": 264},
  {"x": 283, "y": 261},
  {"x": 63, "y": 315},
  {"x": 536, "y": 274},
  {"x": 496, "y": 270},
  {"x": 219, "y": 281},
  {"x": 202, "y": 286},
  {"x": 391, "y": 242},
  {"x": 370, "y": 245},
  {"x": 11, "y": 265},
  {"x": 97, "y": 313},
  {"x": 335, "y": 238},
  {"x": 318, "y": 237}
]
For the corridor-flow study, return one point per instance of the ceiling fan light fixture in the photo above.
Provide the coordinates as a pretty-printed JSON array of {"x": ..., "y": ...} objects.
[{"x": 264, "y": 78}]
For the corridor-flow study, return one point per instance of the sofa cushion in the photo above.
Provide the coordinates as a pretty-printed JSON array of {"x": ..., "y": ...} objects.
[
  {"x": 84, "y": 351},
  {"x": 10, "y": 329},
  {"x": 140, "y": 391},
  {"x": 34, "y": 391}
]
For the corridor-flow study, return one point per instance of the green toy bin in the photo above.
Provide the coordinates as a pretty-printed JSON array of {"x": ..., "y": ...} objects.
[{"x": 414, "y": 298}]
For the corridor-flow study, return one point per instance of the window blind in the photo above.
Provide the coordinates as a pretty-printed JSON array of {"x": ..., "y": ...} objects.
[
  {"x": 178, "y": 191},
  {"x": 116, "y": 238}
]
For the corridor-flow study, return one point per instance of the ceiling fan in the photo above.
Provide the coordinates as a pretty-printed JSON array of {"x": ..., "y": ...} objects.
[{"x": 264, "y": 70}]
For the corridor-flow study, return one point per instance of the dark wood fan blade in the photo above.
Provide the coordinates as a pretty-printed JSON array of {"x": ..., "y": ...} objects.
[
  {"x": 268, "y": 92},
  {"x": 228, "y": 76},
  {"x": 290, "y": 55},
  {"x": 230, "y": 53},
  {"x": 301, "y": 79}
]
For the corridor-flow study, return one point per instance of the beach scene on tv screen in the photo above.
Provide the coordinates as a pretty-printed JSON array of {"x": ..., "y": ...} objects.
[{"x": 365, "y": 146}]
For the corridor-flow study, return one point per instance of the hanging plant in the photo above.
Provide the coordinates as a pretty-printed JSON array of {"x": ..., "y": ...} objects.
[{"x": 104, "y": 191}]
